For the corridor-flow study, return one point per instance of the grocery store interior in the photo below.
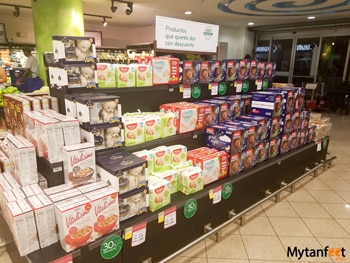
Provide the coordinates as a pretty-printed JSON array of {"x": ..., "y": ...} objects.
[{"x": 298, "y": 211}]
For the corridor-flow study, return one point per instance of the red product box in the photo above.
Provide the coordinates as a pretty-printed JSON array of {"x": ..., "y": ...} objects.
[{"x": 214, "y": 166}]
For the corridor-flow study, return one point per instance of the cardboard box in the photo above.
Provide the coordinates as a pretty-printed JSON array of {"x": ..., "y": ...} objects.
[
  {"x": 231, "y": 71},
  {"x": 191, "y": 71},
  {"x": 44, "y": 214},
  {"x": 73, "y": 49},
  {"x": 218, "y": 71},
  {"x": 205, "y": 71},
  {"x": 125, "y": 76},
  {"x": 267, "y": 104},
  {"x": 263, "y": 121},
  {"x": 143, "y": 75},
  {"x": 274, "y": 147},
  {"x": 159, "y": 193},
  {"x": 262, "y": 150},
  {"x": 105, "y": 207},
  {"x": 123, "y": 171},
  {"x": 106, "y": 75},
  {"x": 22, "y": 225},
  {"x": 170, "y": 176},
  {"x": 79, "y": 164},
  {"x": 191, "y": 180},
  {"x": 166, "y": 71},
  {"x": 133, "y": 203},
  {"x": 242, "y": 69},
  {"x": 236, "y": 164},
  {"x": 214, "y": 166}
]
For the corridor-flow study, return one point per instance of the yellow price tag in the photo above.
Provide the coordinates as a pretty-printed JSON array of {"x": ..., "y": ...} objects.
[
  {"x": 256, "y": 83},
  {"x": 209, "y": 86},
  {"x": 235, "y": 84},
  {"x": 181, "y": 88},
  {"x": 128, "y": 233},
  {"x": 160, "y": 217},
  {"x": 211, "y": 194}
]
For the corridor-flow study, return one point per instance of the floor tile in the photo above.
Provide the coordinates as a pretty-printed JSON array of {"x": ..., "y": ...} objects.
[
  {"x": 345, "y": 195},
  {"x": 337, "y": 243},
  {"x": 232, "y": 229},
  {"x": 264, "y": 248},
  {"x": 345, "y": 223},
  {"x": 338, "y": 185},
  {"x": 279, "y": 209},
  {"x": 302, "y": 243},
  {"x": 181, "y": 259},
  {"x": 330, "y": 175},
  {"x": 230, "y": 247},
  {"x": 316, "y": 185},
  {"x": 338, "y": 210},
  {"x": 290, "y": 226},
  {"x": 257, "y": 226},
  {"x": 196, "y": 251},
  {"x": 300, "y": 195},
  {"x": 325, "y": 227},
  {"x": 326, "y": 196},
  {"x": 310, "y": 210},
  {"x": 222, "y": 260}
]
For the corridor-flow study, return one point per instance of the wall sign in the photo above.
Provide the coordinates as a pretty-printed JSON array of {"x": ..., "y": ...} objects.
[
  {"x": 184, "y": 35},
  {"x": 97, "y": 35}
]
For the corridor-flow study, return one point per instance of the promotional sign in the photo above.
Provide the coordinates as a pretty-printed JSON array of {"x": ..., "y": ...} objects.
[{"x": 177, "y": 34}]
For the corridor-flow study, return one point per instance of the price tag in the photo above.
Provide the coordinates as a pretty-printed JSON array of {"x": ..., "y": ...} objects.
[
  {"x": 214, "y": 89},
  {"x": 66, "y": 259},
  {"x": 138, "y": 234},
  {"x": 319, "y": 146},
  {"x": 128, "y": 233},
  {"x": 160, "y": 217},
  {"x": 239, "y": 86},
  {"x": 217, "y": 194},
  {"x": 258, "y": 84},
  {"x": 181, "y": 88},
  {"x": 170, "y": 217},
  {"x": 186, "y": 92}
]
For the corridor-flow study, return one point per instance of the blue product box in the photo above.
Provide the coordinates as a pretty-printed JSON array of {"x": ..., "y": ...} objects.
[
  {"x": 262, "y": 150},
  {"x": 191, "y": 70},
  {"x": 250, "y": 159},
  {"x": 253, "y": 132},
  {"x": 296, "y": 120},
  {"x": 235, "y": 105},
  {"x": 224, "y": 109},
  {"x": 268, "y": 104},
  {"x": 253, "y": 69},
  {"x": 311, "y": 134},
  {"x": 305, "y": 119},
  {"x": 242, "y": 69},
  {"x": 225, "y": 138},
  {"x": 246, "y": 104},
  {"x": 299, "y": 98},
  {"x": 276, "y": 128},
  {"x": 289, "y": 97},
  {"x": 261, "y": 70},
  {"x": 303, "y": 134},
  {"x": 274, "y": 147},
  {"x": 231, "y": 70},
  {"x": 284, "y": 147},
  {"x": 205, "y": 71},
  {"x": 287, "y": 122},
  {"x": 236, "y": 163},
  {"x": 293, "y": 140},
  {"x": 270, "y": 70},
  {"x": 263, "y": 121},
  {"x": 218, "y": 71}
]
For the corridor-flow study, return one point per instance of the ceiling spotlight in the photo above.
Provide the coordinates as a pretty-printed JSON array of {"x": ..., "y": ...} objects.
[
  {"x": 104, "y": 22},
  {"x": 16, "y": 13},
  {"x": 129, "y": 9},
  {"x": 113, "y": 8}
]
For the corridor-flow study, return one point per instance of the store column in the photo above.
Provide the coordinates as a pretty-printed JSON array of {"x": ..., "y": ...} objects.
[{"x": 55, "y": 17}]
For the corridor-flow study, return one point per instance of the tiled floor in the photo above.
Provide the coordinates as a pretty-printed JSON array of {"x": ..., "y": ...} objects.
[{"x": 315, "y": 216}]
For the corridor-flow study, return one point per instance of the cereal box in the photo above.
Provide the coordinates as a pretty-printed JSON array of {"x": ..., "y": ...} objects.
[
  {"x": 44, "y": 214},
  {"x": 75, "y": 220},
  {"x": 105, "y": 207},
  {"x": 79, "y": 164}
]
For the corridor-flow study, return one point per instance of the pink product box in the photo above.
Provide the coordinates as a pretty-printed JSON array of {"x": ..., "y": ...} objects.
[
  {"x": 218, "y": 71},
  {"x": 274, "y": 147},
  {"x": 193, "y": 157},
  {"x": 214, "y": 166},
  {"x": 73, "y": 49},
  {"x": 79, "y": 164},
  {"x": 166, "y": 71},
  {"x": 191, "y": 72},
  {"x": 242, "y": 69},
  {"x": 236, "y": 163},
  {"x": 75, "y": 220},
  {"x": 205, "y": 71},
  {"x": 105, "y": 208}
]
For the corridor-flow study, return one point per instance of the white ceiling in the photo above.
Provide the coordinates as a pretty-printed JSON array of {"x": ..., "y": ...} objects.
[{"x": 237, "y": 12}]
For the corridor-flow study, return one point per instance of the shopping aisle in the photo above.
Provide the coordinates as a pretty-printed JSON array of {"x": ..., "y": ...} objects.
[{"x": 316, "y": 215}]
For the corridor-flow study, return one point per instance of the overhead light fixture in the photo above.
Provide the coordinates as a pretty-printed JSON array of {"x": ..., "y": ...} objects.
[
  {"x": 113, "y": 8},
  {"x": 104, "y": 22},
  {"x": 311, "y": 17},
  {"x": 16, "y": 13},
  {"x": 188, "y": 12},
  {"x": 250, "y": 23},
  {"x": 129, "y": 9}
]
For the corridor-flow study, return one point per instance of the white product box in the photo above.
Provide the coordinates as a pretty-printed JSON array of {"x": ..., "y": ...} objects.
[
  {"x": 105, "y": 207},
  {"x": 53, "y": 102},
  {"x": 152, "y": 127},
  {"x": 70, "y": 126},
  {"x": 32, "y": 189},
  {"x": 11, "y": 180},
  {"x": 75, "y": 221},
  {"x": 178, "y": 154},
  {"x": 134, "y": 130},
  {"x": 42, "y": 181},
  {"x": 23, "y": 154},
  {"x": 32, "y": 132},
  {"x": 143, "y": 75},
  {"x": 6, "y": 164},
  {"x": 79, "y": 164},
  {"x": 106, "y": 75},
  {"x": 162, "y": 158},
  {"x": 171, "y": 177},
  {"x": 22, "y": 224},
  {"x": 45, "y": 219},
  {"x": 6, "y": 197},
  {"x": 191, "y": 180},
  {"x": 92, "y": 187},
  {"x": 57, "y": 189},
  {"x": 159, "y": 193},
  {"x": 57, "y": 197},
  {"x": 125, "y": 76}
]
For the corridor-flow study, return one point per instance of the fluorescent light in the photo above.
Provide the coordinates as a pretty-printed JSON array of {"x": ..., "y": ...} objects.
[
  {"x": 311, "y": 17},
  {"x": 188, "y": 12},
  {"x": 250, "y": 23}
]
